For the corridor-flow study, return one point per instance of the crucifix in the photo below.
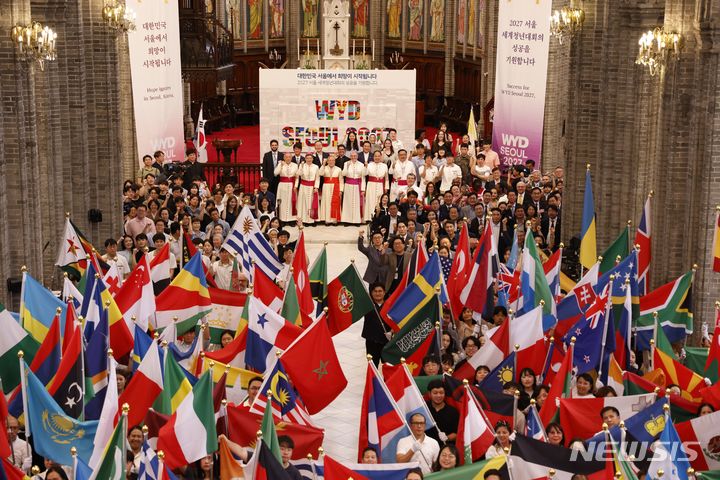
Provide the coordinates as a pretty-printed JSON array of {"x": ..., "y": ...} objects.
[{"x": 336, "y": 50}]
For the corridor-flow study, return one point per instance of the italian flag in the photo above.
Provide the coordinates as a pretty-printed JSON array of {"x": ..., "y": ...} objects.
[
  {"x": 113, "y": 465},
  {"x": 13, "y": 339},
  {"x": 190, "y": 434}
]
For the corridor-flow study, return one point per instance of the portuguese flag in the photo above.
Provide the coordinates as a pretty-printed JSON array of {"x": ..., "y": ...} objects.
[{"x": 347, "y": 299}]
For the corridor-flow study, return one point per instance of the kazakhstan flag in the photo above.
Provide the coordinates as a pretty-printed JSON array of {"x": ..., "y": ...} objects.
[{"x": 53, "y": 432}]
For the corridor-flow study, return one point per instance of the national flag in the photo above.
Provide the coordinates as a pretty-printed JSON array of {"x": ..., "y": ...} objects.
[
  {"x": 145, "y": 385},
  {"x": 312, "y": 363},
  {"x": 673, "y": 304},
  {"x": 701, "y": 437},
  {"x": 302, "y": 278},
  {"x": 318, "y": 280},
  {"x": 416, "y": 338},
  {"x": 267, "y": 427},
  {"x": 14, "y": 339},
  {"x": 230, "y": 468},
  {"x": 580, "y": 417},
  {"x": 66, "y": 386},
  {"x": 188, "y": 359},
  {"x": 284, "y": 402},
  {"x": 615, "y": 377},
  {"x": 96, "y": 369},
  {"x": 670, "y": 456},
  {"x": 347, "y": 300},
  {"x": 681, "y": 408},
  {"x": 149, "y": 468},
  {"x": 136, "y": 297},
  {"x": 113, "y": 465},
  {"x": 589, "y": 333},
  {"x": 533, "y": 425},
  {"x": 72, "y": 323},
  {"x": 643, "y": 241},
  {"x": 526, "y": 331},
  {"x": 38, "y": 307},
  {"x": 186, "y": 298},
  {"x": 248, "y": 241},
  {"x": 406, "y": 394},
  {"x": 97, "y": 302},
  {"x": 551, "y": 267},
  {"x": 315, "y": 470},
  {"x": 291, "y": 310},
  {"x": 696, "y": 359},
  {"x": 500, "y": 375},
  {"x": 190, "y": 434},
  {"x": 477, "y": 291},
  {"x": 418, "y": 293},
  {"x": 141, "y": 346},
  {"x": 533, "y": 284},
  {"x": 244, "y": 425},
  {"x": 497, "y": 406},
  {"x": 154, "y": 421},
  {"x": 109, "y": 409},
  {"x": 335, "y": 469},
  {"x": 176, "y": 386},
  {"x": 621, "y": 462},
  {"x": 533, "y": 459},
  {"x": 716, "y": 242},
  {"x": 714, "y": 350},
  {"x": 52, "y": 431},
  {"x": 508, "y": 285},
  {"x": 572, "y": 306},
  {"x": 160, "y": 268},
  {"x": 495, "y": 349},
  {"x": 690, "y": 383},
  {"x": 461, "y": 267},
  {"x": 236, "y": 379},
  {"x": 382, "y": 424},
  {"x": 113, "y": 279},
  {"x": 232, "y": 354},
  {"x": 474, "y": 435},
  {"x": 474, "y": 471},
  {"x": 709, "y": 475},
  {"x": 623, "y": 333},
  {"x": 200, "y": 140},
  {"x": 8, "y": 471},
  {"x": 5, "y": 448},
  {"x": 559, "y": 387},
  {"x": 418, "y": 260},
  {"x": 263, "y": 465},
  {"x": 588, "y": 242},
  {"x": 267, "y": 332},
  {"x": 618, "y": 250},
  {"x": 71, "y": 292},
  {"x": 72, "y": 257},
  {"x": 267, "y": 291}
]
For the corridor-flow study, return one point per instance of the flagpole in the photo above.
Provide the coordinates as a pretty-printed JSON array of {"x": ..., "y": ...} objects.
[
  {"x": 608, "y": 306},
  {"x": 73, "y": 452},
  {"x": 311, "y": 461},
  {"x": 161, "y": 464},
  {"x": 477, "y": 404},
  {"x": 548, "y": 358},
  {"x": 125, "y": 409},
  {"x": 24, "y": 389}
]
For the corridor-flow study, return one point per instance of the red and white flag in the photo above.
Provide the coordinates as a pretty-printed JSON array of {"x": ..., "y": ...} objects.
[
  {"x": 144, "y": 387},
  {"x": 302, "y": 279},
  {"x": 474, "y": 435},
  {"x": 136, "y": 297},
  {"x": 160, "y": 264},
  {"x": 459, "y": 272}
]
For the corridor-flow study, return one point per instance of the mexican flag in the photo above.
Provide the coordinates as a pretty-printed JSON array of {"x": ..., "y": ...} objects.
[
  {"x": 13, "y": 339},
  {"x": 190, "y": 434},
  {"x": 113, "y": 465},
  {"x": 347, "y": 300}
]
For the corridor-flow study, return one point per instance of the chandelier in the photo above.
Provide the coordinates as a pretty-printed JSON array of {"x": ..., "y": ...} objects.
[
  {"x": 566, "y": 21},
  {"x": 118, "y": 16},
  {"x": 35, "y": 42},
  {"x": 656, "y": 47}
]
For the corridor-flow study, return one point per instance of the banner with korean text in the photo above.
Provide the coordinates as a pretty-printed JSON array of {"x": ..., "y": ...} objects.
[
  {"x": 310, "y": 105},
  {"x": 156, "y": 79},
  {"x": 523, "y": 43}
]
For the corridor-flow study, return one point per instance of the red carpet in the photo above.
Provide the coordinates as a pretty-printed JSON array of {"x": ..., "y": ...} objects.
[{"x": 248, "y": 151}]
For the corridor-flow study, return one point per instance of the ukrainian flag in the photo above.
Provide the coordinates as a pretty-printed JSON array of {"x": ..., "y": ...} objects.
[
  {"x": 588, "y": 242},
  {"x": 38, "y": 307},
  {"x": 417, "y": 294}
]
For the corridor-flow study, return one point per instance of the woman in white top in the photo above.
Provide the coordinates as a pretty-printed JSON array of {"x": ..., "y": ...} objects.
[
  {"x": 330, "y": 204},
  {"x": 478, "y": 169},
  {"x": 287, "y": 171},
  {"x": 377, "y": 184},
  {"x": 502, "y": 440},
  {"x": 428, "y": 172},
  {"x": 307, "y": 183},
  {"x": 584, "y": 387},
  {"x": 388, "y": 153}
]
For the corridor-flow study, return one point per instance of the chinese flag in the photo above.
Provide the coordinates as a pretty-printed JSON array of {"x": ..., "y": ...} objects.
[{"x": 314, "y": 368}]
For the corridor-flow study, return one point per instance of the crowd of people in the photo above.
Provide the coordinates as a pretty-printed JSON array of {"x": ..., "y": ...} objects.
[{"x": 401, "y": 198}]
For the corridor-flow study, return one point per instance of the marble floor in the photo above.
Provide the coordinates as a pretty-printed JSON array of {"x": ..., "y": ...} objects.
[{"x": 341, "y": 418}]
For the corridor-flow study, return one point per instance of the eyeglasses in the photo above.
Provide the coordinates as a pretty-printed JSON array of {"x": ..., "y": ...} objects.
[{"x": 417, "y": 423}]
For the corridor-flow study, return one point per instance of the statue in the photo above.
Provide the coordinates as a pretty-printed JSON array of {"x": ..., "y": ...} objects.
[
  {"x": 462, "y": 8},
  {"x": 276, "y": 26},
  {"x": 310, "y": 18},
  {"x": 416, "y": 21},
  {"x": 393, "y": 11},
  {"x": 232, "y": 17},
  {"x": 437, "y": 12},
  {"x": 360, "y": 10},
  {"x": 254, "y": 19}
]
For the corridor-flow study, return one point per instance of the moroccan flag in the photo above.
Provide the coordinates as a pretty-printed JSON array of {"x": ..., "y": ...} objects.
[
  {"x": 190, "y": 434},
  {"x": 313, "y": 365},
  {"x": 302, "y": 278},
  {"x": 716, "y": 242},
  {"x": 416, "y": 338},
  {"x": 318, "y": 280},
  {"x": 347, "y": 300},
  {"x": 186, "y": 298},
  {"x": 619, "y": 248}
]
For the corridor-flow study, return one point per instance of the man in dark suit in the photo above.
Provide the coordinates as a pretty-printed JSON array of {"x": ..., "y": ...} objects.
[
  {"x": 298, "y": 157},
  {"x": 375, "y": 271},
  {"x": 192, "y": 169},
  {"x": 365, "y": 155},
  {"x": 341, "y": 157},
  {"x": 396, "y": 258},
  {"x": 551, "y": 228},
  {"x": 387, "y": 224},
  {"x": 523, "y": 197},
  {"x": 537, "y": 200},
  {"x": 375, "y": 331},
  {"x": 319, "y": 156},
  {"x": 269, "y": 162}
]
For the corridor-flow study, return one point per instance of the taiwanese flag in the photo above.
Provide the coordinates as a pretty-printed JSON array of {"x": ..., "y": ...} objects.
[{"x": 347, "y": 300}]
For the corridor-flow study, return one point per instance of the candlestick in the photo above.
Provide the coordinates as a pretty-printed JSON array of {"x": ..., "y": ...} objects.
[
  {"x": 363, "y": 47},
  {"x": 353, "y": 50},
  {"x": 318, "y": 47},
  {"x": 307, "y": 46},
  {"x": 373, "y": 50},
  {"x": 298, "y": 48}
]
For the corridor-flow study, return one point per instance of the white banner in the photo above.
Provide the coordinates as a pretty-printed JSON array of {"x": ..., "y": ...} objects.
[
  {"x": 156, "y": 79},
  {"x": 523, "y": 44},
  {"x": 310, "y": 105}
]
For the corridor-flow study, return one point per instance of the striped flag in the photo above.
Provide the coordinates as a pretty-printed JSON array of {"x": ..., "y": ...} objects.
[
  {"x": 588, "y": 242},
  {"x": 642, "y": 239},
  {"x": 249, "y": 243},
  {"x": 716, "y": 242}
]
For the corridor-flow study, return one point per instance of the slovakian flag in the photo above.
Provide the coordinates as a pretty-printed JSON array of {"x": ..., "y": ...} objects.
[
  {"x": 313, "y": 365},
  {"x": 477, "y": 292},
  {"x": 643, "y": 240},
  {"x": 382, "y": 424},
  {"x": 347, "y": 300},
  {"x": 474, "y": 435},
  {"x": 461, "y": 267}
]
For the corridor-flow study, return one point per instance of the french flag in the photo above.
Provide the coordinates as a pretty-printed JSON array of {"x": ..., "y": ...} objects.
[
  {"x": 477, "y": 292},
  {"x": 267, "y": 332},
  {"x": 382, "y": 424}
]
